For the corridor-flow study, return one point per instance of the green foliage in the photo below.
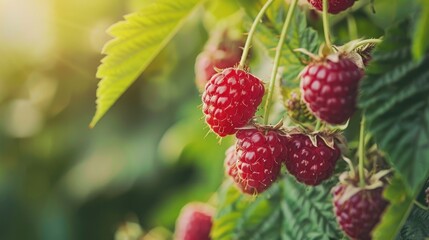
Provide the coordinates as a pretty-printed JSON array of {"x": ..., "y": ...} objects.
[
  {"x": 137, "y": 41},
  {"x": 417, "y": 226},
  {"x": 298, "y": 36},
  {"x": 288, "y": 210},
  {"x": 395, "y": 100},
  {"x": 421, "y": 34},
  {"x": 396, "y": 213}
]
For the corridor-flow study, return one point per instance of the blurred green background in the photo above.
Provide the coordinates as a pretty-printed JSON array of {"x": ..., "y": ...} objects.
[{"x": 142, "y": 162}]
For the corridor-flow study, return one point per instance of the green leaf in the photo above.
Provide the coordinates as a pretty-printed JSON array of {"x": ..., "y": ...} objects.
[
  {"x": 137, "y": 41},
  {"x": 397, "y": 211},
  {"x": 299, "y": 35},
  {"x": 417, "y": 226},
  {"x": 395, "y": 100},
  {"x": 287, "y": 210},
  {"x": 421, "y": 33}
]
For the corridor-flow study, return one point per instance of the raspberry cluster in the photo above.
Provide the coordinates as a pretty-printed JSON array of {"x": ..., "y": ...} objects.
[
  {"x": 254, "y": 162},
  {"x": 328, "y": 91}
]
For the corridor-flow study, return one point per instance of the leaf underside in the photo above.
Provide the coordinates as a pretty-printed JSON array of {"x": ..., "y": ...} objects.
[
  {"x": 288, "y": 210},
  {"x": 395, "y": 99}
]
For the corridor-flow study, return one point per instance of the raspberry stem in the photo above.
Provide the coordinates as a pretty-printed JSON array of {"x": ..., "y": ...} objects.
[
  {"x": 326, "y": 25},
  {"x": 352, "y": 26},
  {"x": 251, "y": 33},
  {"x": 362, "y": 152},
  {"x": 418, "y": 204},
  {"x": 277, "y": 60}
]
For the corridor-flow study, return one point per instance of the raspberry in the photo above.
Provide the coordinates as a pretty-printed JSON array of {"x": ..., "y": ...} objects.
[
  {"x": 330, "y": 88},
  {"x": 297, "y": 110},
  {"x": 230, "y": 164},
  {"x": 358, "y": 213},
  {"x": 334, "y": 6},
  {"x": 230, "y": 100},
  {"x": 223, "y": 55},
  {"x": 310, "y": 164},
  {"x": 255, "y": 164},
  {"x": 194, "y": 222}
]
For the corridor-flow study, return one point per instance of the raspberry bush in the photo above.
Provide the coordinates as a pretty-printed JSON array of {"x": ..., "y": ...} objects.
[{"x": 299, "y": 164}]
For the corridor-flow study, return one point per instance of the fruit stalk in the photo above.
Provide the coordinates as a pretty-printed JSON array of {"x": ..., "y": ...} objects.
[
  {"x": 352, "y": 26},
  {"x": 251, "y": 33},
  {"x": 277, "y": 60},
  {"x": 361, "y": 153},
  {"x": 326, "y": 25}
]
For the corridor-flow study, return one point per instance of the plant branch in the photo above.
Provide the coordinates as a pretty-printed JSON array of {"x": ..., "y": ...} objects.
[
  {"x": 277, "y": 60},
  {"x": 361, "y": 152},
  {"x": 326, "y": 25},
  {"x": 251, "y": 33}
]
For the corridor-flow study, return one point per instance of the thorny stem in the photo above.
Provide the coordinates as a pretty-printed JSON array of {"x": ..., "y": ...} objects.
[
  {"x": 251, "y": 32},
  {"x": 326, "y": 25},
  {"x": 277, "y": 60},
  {"x": 361, "y": 152}
]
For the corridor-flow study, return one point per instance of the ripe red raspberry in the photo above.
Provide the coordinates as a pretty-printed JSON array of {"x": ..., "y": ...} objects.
[
  {"x": 230, "y": 100},
  {"x": 258, "y": 157},
  {"x": 230, "y": 165},
  {"x": 223, "y": 55},
  {"x": 330, "y": 88},
  {"x": 310, "y": 164},
  {"x": 194, "y": 222},
  {"x": 358, "y": 212},
  {"x": 334, "y": 6}
]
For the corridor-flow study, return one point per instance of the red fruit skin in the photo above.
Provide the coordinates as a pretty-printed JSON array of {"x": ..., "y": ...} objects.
[
  {"x": 231, "y": 169},
  {"x": 194, "y": 222},
  {"x": 259, "y": 154},
  {"x": 330, "y": 89},
  {"x": 334, "y": 6},
  {"x": 230, "y": 100},
  {"x": 310, "y": 164},
  {"x": 224, "y": 56},
  {"x": 358, "y": 215}
]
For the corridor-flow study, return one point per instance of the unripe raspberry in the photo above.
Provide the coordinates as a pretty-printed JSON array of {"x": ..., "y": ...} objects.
[{"x": 297, "y": 110}]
